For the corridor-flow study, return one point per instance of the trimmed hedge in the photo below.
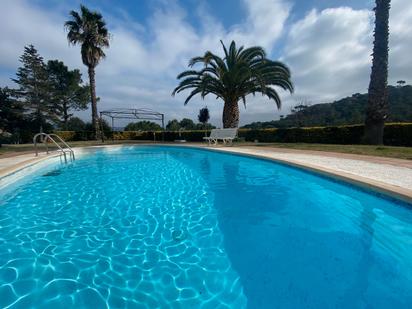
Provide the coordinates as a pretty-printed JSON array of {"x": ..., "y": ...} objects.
[
  {"x": 79, "y": 135},
  {"x": 320, "y": 135},
  {"x": 66, "y": 135},
  {"x": 191, "y": 136},
  {"x": 398, "y": 134},
  {"x": 395, "y": 134}
]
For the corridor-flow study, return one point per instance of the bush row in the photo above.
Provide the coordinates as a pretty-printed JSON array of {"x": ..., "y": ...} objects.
[
  {"x": 169, "y": 136},
  {"x": 77, "y": 135},
  {"x": 396, "y": 134}
]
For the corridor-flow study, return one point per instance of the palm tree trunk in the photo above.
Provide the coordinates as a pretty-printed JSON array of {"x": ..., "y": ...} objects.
[
  {"x": 231, "y": 114},
  {"x": 65, "y": 115},
  {"x": 377, "y": 108},
  {"x": 95, "y": 119}
]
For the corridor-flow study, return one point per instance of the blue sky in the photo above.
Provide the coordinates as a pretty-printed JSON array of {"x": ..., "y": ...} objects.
[{"x": 326, "y": 43}]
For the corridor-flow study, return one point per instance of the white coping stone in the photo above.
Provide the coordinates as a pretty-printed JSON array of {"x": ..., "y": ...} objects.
[
  {"x": 32, "y": 167},
  {"x": 23, "y": 172}
]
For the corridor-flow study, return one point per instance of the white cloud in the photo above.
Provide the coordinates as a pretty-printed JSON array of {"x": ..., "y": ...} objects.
[
  {"x": 264, "y": 24},
  {"x": 400, "y": 41},
  {"x": 328, "y": 51},
  {"x": 143, "y": 60},
  {"x": 22, "y": 24}
]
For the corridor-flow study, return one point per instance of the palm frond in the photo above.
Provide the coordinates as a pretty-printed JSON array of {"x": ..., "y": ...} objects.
[
  {"x": 88, "y": 29},
  {"x": 241, "y": 72}
]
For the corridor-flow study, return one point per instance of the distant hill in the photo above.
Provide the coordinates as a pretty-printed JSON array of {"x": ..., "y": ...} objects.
[{"x": 350, "y": 110}]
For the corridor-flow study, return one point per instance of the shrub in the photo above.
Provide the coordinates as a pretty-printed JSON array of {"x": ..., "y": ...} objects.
[
  {"x": 143, "y": 126},
  {"x": 66, "y": 135},
  {"x": 133, "y": 135},
  {"x": 167, "y": 136},
  {"x": 395, "y": 134},
  {"x": 398, "y": 134}
]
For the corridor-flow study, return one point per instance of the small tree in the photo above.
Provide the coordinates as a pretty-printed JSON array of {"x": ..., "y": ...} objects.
[
  {"x": 143, "y": 126},
  {"x": 401, "y": 83},
  {"x": 298, "y": 110},
  {"x": 187, "y": 124},
  {"x": 173, "y": 125},
  {"x": 66, "y": 89},
  {"x": 204, "y": 117},
  {"x": 76, "y": 124}
]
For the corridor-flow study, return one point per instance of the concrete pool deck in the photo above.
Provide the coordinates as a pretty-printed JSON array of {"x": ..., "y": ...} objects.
[
  {"x": 11, "y": 164},
  {"x": 389, "y": 175}
]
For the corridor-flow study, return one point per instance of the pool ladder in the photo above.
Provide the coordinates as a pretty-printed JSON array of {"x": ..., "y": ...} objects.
[{"x": 64, "y": 151}]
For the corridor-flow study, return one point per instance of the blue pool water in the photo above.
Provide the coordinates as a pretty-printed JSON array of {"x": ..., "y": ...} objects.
[{"x": 172, "y": 227}]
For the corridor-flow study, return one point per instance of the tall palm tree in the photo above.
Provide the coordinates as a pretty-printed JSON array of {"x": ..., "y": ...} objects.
[
  {"x": 241, "y": 72},
  {"x": 377, "y": 108},
  {"x": 89, "y": 29}
]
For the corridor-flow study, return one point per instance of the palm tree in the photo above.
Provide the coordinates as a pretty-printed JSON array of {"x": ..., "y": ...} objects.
[
  {"x": 89, "y": 29},
  {"x": 377, "y": 108},
  {"x": 241, "y": 72}
]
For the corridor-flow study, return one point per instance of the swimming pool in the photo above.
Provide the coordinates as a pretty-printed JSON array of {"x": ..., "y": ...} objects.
[{"x": 154, "y": 226}]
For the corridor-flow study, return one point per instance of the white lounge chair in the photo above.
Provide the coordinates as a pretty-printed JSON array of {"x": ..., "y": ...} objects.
[{"x": 225, "y": 135}]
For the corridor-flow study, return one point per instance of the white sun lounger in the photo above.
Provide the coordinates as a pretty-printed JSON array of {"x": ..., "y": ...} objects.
[{"x": 225, "y": 135}]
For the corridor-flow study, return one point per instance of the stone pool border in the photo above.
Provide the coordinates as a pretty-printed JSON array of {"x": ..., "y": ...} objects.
[
  {"x": 387, "y": 189},
  {"x": 31, "y": 160}
]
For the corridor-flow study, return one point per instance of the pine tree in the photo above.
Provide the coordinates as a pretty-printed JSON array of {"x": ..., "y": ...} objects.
[
  {"x": 66, "y": 90},
  {"x": 33, "y": 91}
]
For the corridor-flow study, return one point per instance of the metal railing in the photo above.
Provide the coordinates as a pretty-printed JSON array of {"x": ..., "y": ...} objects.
[{"x": 49, "y": 137}]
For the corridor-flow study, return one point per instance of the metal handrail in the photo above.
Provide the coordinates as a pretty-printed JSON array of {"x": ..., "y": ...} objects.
[
  {"x": 49, "y": 137},
  {"x": 62, "y": 141}
]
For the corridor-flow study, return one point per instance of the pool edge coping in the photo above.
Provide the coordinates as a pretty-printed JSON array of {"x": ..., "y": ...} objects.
[
  {"x": 396, "y": 192},
  {"x": 24, "y": 164}
]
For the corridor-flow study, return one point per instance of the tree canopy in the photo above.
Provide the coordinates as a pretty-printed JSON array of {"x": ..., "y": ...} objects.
[
  {"x": 187, "y": 124},
  {"x": 143, "y": 126},
  {"x": 173, "y": 125},
  {"x": 45, "y": 97},
  {"x": 203, "y": 116},
  {"x": 349, "y": 110},
  {"x": 66, "y": 90},
  {"x": 76, "y": 124},
  {"x": 88, "y": 29}
]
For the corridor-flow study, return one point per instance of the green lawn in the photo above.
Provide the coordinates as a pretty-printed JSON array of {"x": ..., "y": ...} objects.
[{"x": 381, "y": 151}]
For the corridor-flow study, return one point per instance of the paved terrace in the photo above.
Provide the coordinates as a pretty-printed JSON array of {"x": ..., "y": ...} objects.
[{"x": 387, "y": 174}]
